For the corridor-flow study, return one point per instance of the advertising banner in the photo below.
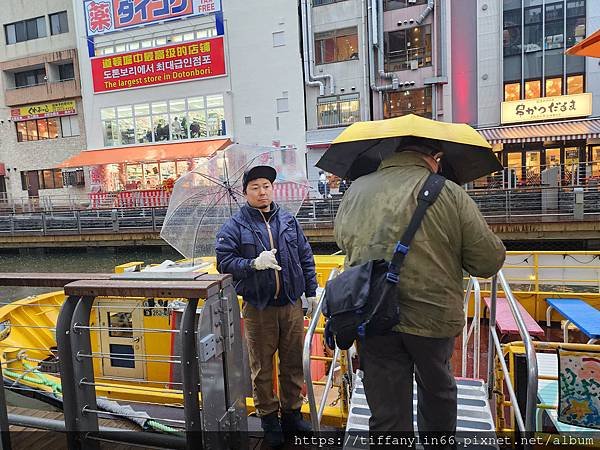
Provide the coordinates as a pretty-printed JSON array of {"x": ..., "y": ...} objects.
[
  {"x": 43, "y": 110},
  {"x": 544, "y": 108},
  {"x": 161, "y": 65},
  {"x": 105, "y": 16}
]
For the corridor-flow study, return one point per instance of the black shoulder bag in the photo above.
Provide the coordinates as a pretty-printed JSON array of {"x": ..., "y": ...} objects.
[{"x": 360, "y": 301}]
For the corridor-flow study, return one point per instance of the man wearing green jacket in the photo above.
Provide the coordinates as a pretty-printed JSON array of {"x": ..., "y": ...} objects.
[{"x": 453, "y": 236}]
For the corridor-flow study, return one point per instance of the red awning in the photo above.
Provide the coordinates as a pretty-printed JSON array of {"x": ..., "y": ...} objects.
[{"x": 146, "y": 153}]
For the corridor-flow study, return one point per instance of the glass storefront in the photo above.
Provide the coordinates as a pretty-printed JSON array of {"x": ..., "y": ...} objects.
[
  {"x": 172, "y": 120},
  {"x": 140, "y": 176},
  {"x": 528, "y": 161}
]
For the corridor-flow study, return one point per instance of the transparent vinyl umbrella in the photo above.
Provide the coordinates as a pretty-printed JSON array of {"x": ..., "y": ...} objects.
[{"x": 203, "y": 199}]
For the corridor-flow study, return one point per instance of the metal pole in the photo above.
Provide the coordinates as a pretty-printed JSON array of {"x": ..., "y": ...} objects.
[
  {"x": 116, "y": 434},
  {"x": 83, "y": 371},
  {"x": 4, "y": 424},
  {"x": 492, "y": 326},
  {"x": 67, "y": 378},
  {"x": 190, "y": 375}
]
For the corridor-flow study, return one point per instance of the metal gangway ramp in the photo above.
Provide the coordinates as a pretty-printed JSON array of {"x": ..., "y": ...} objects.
[{"x": 474, "y": 394}]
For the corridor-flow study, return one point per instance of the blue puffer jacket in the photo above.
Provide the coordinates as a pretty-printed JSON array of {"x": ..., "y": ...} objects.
[{"x": 238, "y": 243}]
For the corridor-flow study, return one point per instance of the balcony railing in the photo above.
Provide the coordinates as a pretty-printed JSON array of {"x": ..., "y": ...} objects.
[{"x": 412, "y": 58}]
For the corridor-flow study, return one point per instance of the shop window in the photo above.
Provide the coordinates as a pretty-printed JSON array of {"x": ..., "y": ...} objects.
[
  {"x": 34, "y": 130},
  {"x": 408, "y": 49},
  {"x": 73, "y": 177},
  {"x": 414, "y": 101},
  {"x": 532, "y": 89},
  {"x": 177, "y": 119},
  {"x": 47, "y": 178},
  {"x": 571, "y": 164},
  {"x": 595, "y": 158},
  {"x": 552, "y": 157},
  {"x": 515, "y": 165},
  {"x": 389, "y": 5},
  {"x": 30, "y": 78},
  {"x": 575, "y": 84},
  {"x": 532, "y": 167},
  {"x": 338, "y": 110},
  {"x": 512, "y": 92},
  {"x": 336, "y": 46},
  {"x": 553, "y": 87},
  {"x": 59, "y": 23},
  {"x": 25, "y": 30}
]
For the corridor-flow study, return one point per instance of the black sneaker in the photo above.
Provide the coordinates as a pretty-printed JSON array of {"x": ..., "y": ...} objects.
[
  {"x": 272, "y": 428},
  {"x": 292, "y": 422}
]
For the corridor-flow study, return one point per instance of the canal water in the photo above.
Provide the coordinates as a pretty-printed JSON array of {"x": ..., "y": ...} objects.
[{"x": 73, "y": 260}]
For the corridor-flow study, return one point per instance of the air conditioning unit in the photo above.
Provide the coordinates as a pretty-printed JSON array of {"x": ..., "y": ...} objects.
[{"x": 414, "y": 64}]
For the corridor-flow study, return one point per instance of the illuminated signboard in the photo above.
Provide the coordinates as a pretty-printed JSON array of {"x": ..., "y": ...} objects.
[
  {"x": 544, "y": 108},
  {"x": 161, "y": 65},
  {"x": 104, "y": 16},
  {"x": 43, "y": 110}
]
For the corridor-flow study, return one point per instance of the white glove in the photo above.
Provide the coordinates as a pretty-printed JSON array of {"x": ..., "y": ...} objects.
[
  {"x": 267, "y": 260},
  {"x": 312, "y": 303}
]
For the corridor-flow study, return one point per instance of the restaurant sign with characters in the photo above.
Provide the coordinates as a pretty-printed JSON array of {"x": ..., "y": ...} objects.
[
  {"x": 105, "y": 16},
  {"x": 44, "y": 110},
  {"x": 161, "y": 65},
  {"x": 545, "y": 108}
]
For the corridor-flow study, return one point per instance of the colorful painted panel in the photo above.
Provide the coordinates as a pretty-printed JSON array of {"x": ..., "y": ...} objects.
[{"x": 579, "y": 388}]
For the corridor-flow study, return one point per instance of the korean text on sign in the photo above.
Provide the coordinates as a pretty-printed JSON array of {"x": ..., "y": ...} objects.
[{"x": 176, "y": 63}]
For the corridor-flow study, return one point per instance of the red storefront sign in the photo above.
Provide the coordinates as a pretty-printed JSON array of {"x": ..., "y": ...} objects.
[{"x": 162, "y": 65}]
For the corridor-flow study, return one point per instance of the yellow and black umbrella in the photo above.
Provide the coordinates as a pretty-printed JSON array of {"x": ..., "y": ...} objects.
[
  {"x": 590, "y": 46},
  {"x": 361, "y": 147}
]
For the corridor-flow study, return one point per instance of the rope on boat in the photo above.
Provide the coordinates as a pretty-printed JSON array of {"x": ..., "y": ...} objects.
[{"x": 110, "y": 406}]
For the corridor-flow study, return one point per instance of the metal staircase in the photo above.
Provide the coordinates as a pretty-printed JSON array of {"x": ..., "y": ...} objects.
[{"x": 474, "y": 413}]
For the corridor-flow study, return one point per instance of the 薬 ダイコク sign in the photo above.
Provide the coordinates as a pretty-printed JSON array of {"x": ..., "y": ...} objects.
[
  {"x": 174, "y": 63},
  {"x": 104, "y": 16}
]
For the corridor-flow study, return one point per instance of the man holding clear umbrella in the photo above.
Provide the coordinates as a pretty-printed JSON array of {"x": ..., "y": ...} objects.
[{"x": 272, "y": 264}]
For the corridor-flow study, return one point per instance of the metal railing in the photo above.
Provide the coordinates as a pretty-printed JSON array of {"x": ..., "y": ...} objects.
[
  {"x": 525, "y": 422},
  {"x": 205, "y": 363},
  {"x": 317, "y": 414},
  {"x": 473, "y": 330},
  {"x": 564, "y": 204}
]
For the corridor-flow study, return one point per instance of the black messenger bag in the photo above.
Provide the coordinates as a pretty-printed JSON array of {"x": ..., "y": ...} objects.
[{"x": 360, "y": 301}]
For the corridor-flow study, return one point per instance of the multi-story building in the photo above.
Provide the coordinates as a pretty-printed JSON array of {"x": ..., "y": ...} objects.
[
  {"x": 381, "y": 59},
  {"x": 41, "y": 111},
  {"x": 537, "y": 105},
  {"x": 167, "y": 83}
]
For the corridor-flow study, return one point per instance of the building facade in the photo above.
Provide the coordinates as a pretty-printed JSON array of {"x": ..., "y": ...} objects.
[
  {"x": 127, "y": 95},
  {"x": 41, "y": 108},
  {"x": 537, "y": 105},
  {"x": 168, "y": 86}
]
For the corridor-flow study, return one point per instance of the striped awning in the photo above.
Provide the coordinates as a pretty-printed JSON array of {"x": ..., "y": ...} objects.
[{"x": 550, "y": 131}]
